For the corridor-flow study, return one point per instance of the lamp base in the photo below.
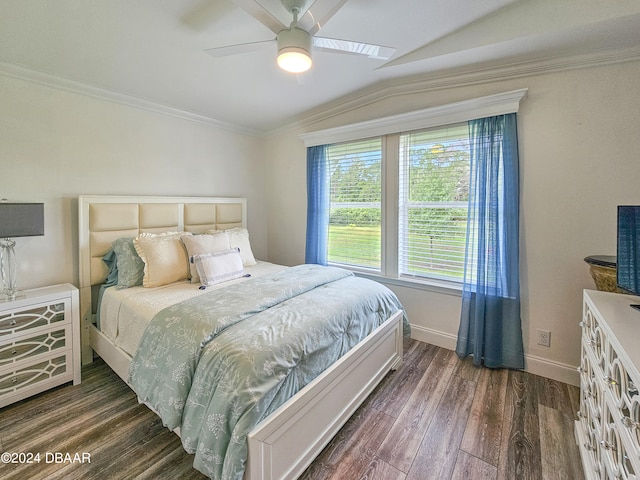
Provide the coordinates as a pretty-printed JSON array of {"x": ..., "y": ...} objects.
[{"x": 8, "y": 268}]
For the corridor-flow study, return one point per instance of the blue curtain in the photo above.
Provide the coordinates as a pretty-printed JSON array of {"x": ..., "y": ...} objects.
[
  {"x": 317, "y": 205},
  {"x": 490, "y": 325}
]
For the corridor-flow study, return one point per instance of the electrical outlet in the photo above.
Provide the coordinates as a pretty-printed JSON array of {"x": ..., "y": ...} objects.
[{"x": 544, "y": 337}]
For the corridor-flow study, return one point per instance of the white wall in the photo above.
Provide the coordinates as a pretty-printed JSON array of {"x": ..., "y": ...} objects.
[
  {"x": 55, "y": 145},
  {"x": 579, "y": 142},
  {"x": 580, "y": 157}
]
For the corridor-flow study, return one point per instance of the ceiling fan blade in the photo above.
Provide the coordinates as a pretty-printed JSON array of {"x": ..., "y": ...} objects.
[
  {"x": 240, "y": 48},
  {"x": 356, "y": 48},
  {"x": 318, "y": 14},
  {"x": 253, "y": 8}
]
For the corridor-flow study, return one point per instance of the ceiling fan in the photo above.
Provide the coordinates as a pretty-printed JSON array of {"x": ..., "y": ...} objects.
[{"x": 294, "y": 42}]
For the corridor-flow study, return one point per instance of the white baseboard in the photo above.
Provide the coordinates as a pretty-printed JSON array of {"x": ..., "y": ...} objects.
[
  {"x": 533, "y": 364},
  {"x": 552, "y": 369},
  {"x": 434, "y": 337}
]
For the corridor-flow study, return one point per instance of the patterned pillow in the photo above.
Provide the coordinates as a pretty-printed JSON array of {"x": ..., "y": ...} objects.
[
  {"x": 110, "y": 261},
  {"x": 218, "y": 267},
  {"x": 130, "y": 265}
]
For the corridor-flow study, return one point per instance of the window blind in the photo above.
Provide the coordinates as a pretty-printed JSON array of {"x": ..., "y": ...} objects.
[
  {"x": 433, "y": 201},
  {"x": 355, "y": 170}
]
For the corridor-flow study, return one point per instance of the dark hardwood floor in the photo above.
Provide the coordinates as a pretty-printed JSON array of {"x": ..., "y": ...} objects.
[{"x": 435, "y": 418}]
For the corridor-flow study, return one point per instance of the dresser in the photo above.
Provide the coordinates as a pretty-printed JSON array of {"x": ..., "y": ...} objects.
[
  {"x": 608, "y": 425},
  {"x": 39, "y": 342}
]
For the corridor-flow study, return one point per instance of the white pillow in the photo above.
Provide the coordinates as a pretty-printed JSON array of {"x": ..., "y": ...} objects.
[
  {"x": 239, "y": 238},
  {"x": 164, "y": 256},
  {"x": 218, "y": 267},
  {"x": 206, "y": 243}
]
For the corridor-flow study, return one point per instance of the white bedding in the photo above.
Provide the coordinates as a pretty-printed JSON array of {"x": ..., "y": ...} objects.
[{"x": 124, "y": 314}]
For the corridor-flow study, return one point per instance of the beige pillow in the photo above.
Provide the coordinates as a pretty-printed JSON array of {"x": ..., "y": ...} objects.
[
  {"x": 201, "y": 244},
  {"x": 239, "y": 238},
  {"x": 164, "y": 256}
]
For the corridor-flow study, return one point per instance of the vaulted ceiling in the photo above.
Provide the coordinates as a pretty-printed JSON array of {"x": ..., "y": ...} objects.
[{"x": 154, "y": 50}]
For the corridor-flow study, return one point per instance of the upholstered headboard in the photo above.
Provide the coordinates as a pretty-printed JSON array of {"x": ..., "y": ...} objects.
[{"x": 103, "y": 219}]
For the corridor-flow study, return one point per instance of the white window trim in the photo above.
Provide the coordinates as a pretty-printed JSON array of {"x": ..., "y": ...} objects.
[
  {"x": 431, "y": 285},
  {"x": 489, "y": 106}
]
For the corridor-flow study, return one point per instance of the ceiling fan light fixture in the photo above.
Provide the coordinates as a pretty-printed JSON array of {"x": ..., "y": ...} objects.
[
  {"x": 294, "y": 60},
  {"x": 294, "y": 50}
]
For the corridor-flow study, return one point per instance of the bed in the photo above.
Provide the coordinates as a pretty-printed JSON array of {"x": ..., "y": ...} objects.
[{"x": 290, "y": 433}]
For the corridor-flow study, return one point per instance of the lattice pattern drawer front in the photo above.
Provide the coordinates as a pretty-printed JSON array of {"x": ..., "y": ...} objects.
[
  {"x": 608, "y": 429},
  {"x": 587, "y": 323},
  {"x": 594, "y": 399},
  {"x": 631, "y": 424},
  {"x": 592, "y": 437},
  {"x": 627, "y": 408},
  {"x": 33, "y": 345},
  {"x": 594, "y": 338},
  {"x": 598, "y": 343},
  {"x": 618, "y": 381},
  {"x": 29, "y": 375},
  {"x": 32, "y": 318},
  {"x": 586, "y": 369},
  {"x": 616, "y": 457}
]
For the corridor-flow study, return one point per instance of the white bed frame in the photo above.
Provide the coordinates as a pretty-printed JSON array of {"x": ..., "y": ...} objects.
[{"x": 284, "y": 444}]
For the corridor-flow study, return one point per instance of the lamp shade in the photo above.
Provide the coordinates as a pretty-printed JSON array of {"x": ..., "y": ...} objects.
[{"x": 21, "y": 219}]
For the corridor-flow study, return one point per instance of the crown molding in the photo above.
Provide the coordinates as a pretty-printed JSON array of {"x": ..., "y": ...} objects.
[
  {"x": 488, "y": 106},
  {"x": 48, "y": 80},
  {"x": 425, "y": 83}
]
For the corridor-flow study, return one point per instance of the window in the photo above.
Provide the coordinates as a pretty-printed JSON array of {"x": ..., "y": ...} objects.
[
  {"x": 433, "y": 186},
  {"x": 398, "y": 202},
  {"x": 434, "y": 191},
  {"x": 355, "y": 179}
]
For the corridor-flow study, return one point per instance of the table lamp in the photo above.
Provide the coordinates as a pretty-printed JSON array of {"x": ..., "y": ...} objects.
[{"x": 16, "y": 220}]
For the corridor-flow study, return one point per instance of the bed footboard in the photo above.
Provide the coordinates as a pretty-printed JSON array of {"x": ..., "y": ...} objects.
[{"x": 284, "y": 444}]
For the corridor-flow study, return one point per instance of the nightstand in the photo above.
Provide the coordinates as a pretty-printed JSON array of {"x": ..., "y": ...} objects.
[{"x": 39, "y": 342}]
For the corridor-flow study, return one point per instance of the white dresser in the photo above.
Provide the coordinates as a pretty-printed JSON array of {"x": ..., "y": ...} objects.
[
  {"x": 39, "y": 342},
  {"x": 608, "y": 428}
]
